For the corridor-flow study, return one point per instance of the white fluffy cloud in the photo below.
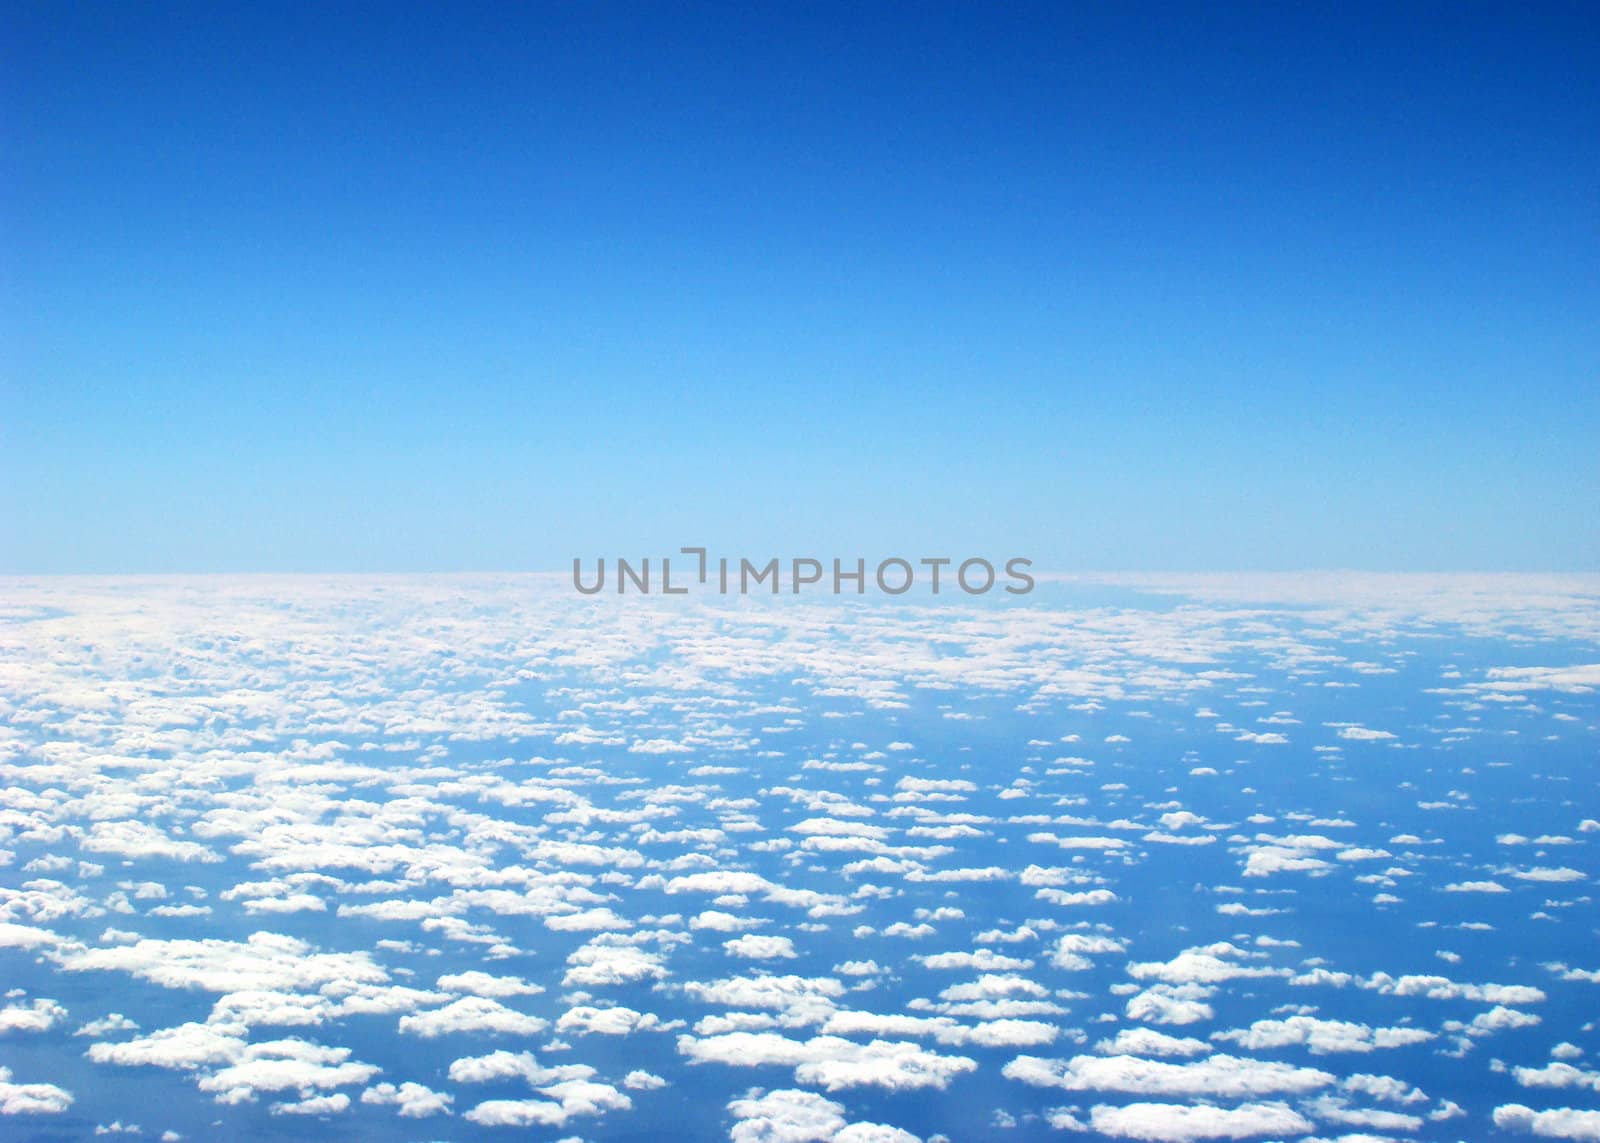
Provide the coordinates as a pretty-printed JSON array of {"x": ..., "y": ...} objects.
[
  {"x": 314, "y": 1105},
  {"x": 618, "y": 1021},
  {"x": 1149, "y": 1042},
  {"x": 410, "y": 1100},
  {"x": 790, "y": 1116},
  {"x": 1171, "y": 1004},
  {"x": 264, "y": 962},
  {"x": 752, "y": 946},
  {"x": 1555, "y": 1123},
  {"x": 305, "y": 760},
  {"x": 1560, "y": 1075},
  {"x": 485, "y": 984},
  {"x": 504, "y": 1065},
  {"x": 31, "y": 1098},
  {"x": 284, "y": 1065},
  {"x": 604, "y": 962},
  {"x": 1183, "y": 1123},
  {"x": 1222, "y": 1076},
  {"x": 831, "y": 1062},
  {"x": 472, "y": 1014},
  {"x": 1202, "y": 966},
  {"x": 38, "y": 1015},
  {"x": 564, "y": 1100},
  {"x": 1322, "y": 1037}
]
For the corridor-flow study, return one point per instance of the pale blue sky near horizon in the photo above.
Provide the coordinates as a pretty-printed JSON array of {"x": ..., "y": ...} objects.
[{"x": 1164, "y": 286}]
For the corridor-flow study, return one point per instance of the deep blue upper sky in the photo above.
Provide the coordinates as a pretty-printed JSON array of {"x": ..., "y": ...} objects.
[{"x": 407, "y": 287}]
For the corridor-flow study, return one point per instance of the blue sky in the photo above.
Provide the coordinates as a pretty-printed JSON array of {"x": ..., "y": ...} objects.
[{"x": 407, "y": 288}]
